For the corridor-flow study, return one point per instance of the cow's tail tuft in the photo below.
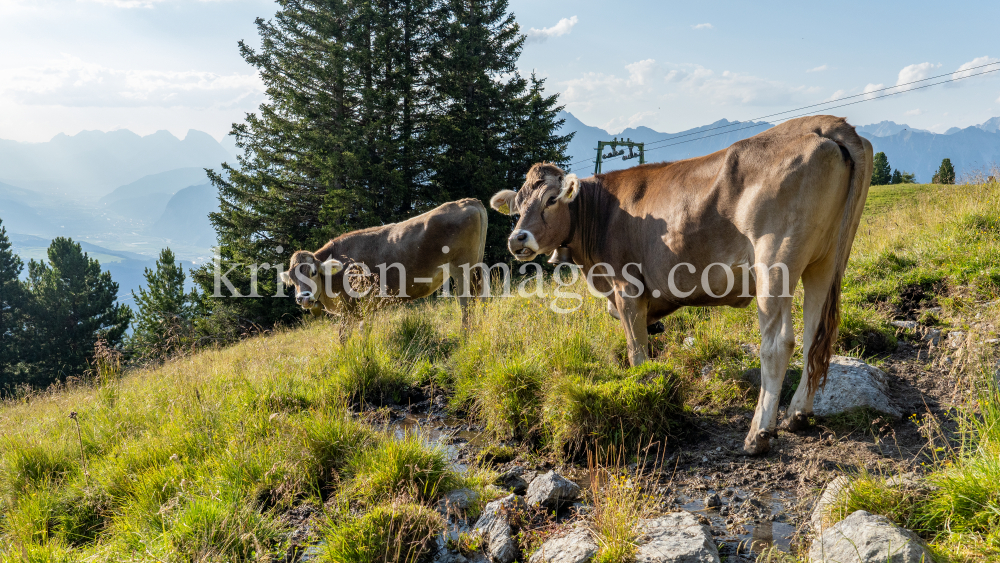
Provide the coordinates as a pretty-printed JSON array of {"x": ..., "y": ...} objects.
[{"x": 858, "y": 152}]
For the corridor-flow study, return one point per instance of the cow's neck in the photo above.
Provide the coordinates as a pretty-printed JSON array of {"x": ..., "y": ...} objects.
[{"x": 584, "y": 244}]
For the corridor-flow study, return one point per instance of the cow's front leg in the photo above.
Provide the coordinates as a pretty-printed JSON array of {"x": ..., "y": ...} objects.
[
  {"x": 776, "y": 346},
  {"x": 632, "y": 312}
]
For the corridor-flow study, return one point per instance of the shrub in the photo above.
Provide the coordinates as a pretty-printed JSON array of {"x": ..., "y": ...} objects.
[
  {"x": 404, "y": 467},
  {"x": 398, "y": 533}
]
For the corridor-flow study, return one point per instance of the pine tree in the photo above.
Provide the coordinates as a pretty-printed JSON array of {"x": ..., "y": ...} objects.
[
  {"x": 13, "y": 302},
  {"x": 881, "y": 171},
  {"x": 897, "y": 177},
  {"x": 73, "y": 307},
  {"x": 945, "y": 173},
  {"x": 163, "y": 320}
]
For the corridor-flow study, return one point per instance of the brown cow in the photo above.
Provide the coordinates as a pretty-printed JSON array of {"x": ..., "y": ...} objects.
[
  {"x": 769, "y": 210},
  {"x": 411, "y": 258}
]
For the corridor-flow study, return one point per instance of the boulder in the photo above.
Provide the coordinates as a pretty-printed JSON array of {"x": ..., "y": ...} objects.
[
  {"x": 853, "y": 384},
  {"x": 906, "y": 325},
  {"x": 513, "y": 481},
  {"x": 458, "y": 501},
  {"x": 494, "y": 528},
  {"x": 675, "y": 538},
  {"x": 552, "y": 491},
  {"x": 864, "y": 538},
  {"x": 575, "y": 547},
  {"x": 831, "y": 494},
  {"x": 933, "y": 336}
]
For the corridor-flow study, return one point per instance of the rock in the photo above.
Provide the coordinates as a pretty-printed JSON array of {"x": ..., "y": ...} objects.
[
  {"x": 853, "y": 384},
  {"x": 513, "y": 480},
  {"x": 864, "y": 538},
  {"x": 575, "y": 547},
  {"x": 494, "y": 528},
  {"x": 675, "y": 538},
  {"x": 713, "y": 501},
  {"x": 458, "y": 501},
  {"x": 551, "y": 491},
  {"x": 906, "y": 325},
  {"x": 933, "y": 336},
  {"x": 752, "y": 376},
  {"x": 829, "y": 497},
  {"x": 750, "y": 350},
  {"x": 993, "y": 341},
  {"x": 956, "y": 338}
]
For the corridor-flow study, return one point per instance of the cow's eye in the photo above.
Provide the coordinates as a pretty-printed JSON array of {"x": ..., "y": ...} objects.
[{"x": 552, "y": 201}]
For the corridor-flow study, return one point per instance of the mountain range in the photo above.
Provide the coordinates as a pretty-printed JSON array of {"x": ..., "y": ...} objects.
[{"x": 908, "y": 149}]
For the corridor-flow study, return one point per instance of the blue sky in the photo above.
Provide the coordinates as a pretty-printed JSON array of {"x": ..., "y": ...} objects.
[{"x": 146, "y": 65}]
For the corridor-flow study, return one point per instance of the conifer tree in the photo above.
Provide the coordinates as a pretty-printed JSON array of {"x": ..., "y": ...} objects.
[
  {"x": 163, "y": 318},
  {"x": 945, "y": 173},
  {"x": 13, "y": 302},
  {"x": 897, "y": 177},
  {"x": 881, "y": 171},
  {"x": 73, "y": 307}
]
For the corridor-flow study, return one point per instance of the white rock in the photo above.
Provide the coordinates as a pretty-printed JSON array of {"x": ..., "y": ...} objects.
[
  {"x": 866, "y": 538},
  {"x": 956, "y": 338},
  {"x": 831, "y": 494},
  {"x": 551, "y": 491},
  {"x": 993, "y": 341},
  {"x": 854, "y": 384},
  {"x": 495, "y": 530},
  {"x": 675, "y": 538},
  {"x": 908, "y": 325},
  {"x": 933, "y": 336},
  {"x": 575, "y": 547}
]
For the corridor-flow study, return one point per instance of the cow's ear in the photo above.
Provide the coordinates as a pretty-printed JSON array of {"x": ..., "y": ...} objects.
[
  {"x": 285, "y": 278},
  {"x": 332, "y": 266},
  {"x": 570, "y": 188},
  {"x": 503, "y": 201}
]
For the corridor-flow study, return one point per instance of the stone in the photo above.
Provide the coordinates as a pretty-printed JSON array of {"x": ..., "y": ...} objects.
[
  {"x": 750, "y": 350},
  {"x": 675, "y": 538},
  {"x": 494, "y": 528},
  {"x": 863, "y": 537},
  {"x": 906, "y": 325},
  {"x": 831, "y": 494},
  {"x": 933, "y": 336},
  {"x": 575, "y": 547},
  {"x": 853, "y": 384},
  {"x": 513, "y": 481},
  {"x": 713, "y": 501},
  {"x": 956, "y": 338},
  {"x": 552, "y": 491},
  {"x": 458, "y": 501}
]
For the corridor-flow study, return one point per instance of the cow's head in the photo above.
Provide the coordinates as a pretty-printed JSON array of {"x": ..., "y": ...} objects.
[
  {"x": 310, "y": 277},
  {"x": 543, "y": 204}
]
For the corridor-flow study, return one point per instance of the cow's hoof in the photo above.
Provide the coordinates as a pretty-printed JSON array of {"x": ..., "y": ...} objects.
[
  {"x": 757, "y": 445},
  {"x": 796, "y": 422},
  {"x": 656, "y": 328}
]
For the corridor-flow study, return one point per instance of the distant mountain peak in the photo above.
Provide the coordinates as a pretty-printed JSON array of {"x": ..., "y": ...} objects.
[{"x": 886, "y": 128}]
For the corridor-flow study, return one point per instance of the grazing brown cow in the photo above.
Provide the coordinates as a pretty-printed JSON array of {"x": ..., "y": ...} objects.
[
  {"x": 781, "y": 206},
  {"x": 412, "y": 258}
]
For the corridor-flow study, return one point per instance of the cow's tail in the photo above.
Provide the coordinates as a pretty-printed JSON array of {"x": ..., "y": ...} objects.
[
  {"x": 858, "y": 152},
  {"x": 479, "y": 275}
]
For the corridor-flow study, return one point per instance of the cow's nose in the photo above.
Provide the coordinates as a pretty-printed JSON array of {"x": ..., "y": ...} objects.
[{"x": 521, "y": 236}]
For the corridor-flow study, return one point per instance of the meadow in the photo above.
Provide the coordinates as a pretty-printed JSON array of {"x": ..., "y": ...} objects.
[{"x": 206, "y": 456}]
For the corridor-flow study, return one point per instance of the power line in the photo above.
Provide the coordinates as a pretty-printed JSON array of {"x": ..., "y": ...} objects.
[{"x": 866, "y": 99}]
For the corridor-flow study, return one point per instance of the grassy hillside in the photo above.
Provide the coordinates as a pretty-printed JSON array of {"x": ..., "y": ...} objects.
[{"x": 205, "y": 457}]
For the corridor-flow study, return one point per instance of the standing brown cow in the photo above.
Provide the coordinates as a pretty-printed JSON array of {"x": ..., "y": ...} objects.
[
  {"x": 781, "y": 206},
  {"x": 413, "y": 258}
]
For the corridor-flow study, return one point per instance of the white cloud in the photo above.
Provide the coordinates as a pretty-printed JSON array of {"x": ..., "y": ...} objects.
[
  {"x": 703, "y": 26},
  {"x": 72, "y": 82},
  {"x": 967, "y": 68},
  {"x": 913, "y": 112},
  {"x": 837, "y": 95},
  {"x": 820, "y": 68},
  {"x": 870, "y": 90},
  {"x": 913, "y": 73},
  {"x": 562, "y": 27},
  {"x": 640, "y": 72}
]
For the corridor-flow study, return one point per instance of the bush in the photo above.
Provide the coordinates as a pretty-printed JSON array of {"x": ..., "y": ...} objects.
[{"x": 397, "y": 468}]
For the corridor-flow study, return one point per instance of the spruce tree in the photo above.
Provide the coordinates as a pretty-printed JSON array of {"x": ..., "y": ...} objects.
[
  {"x": 163, "y": 318},
  {"x": 13, "y": 302},
  {"x": 945, "y": 173},
  {"x": 881, "y": 171},
  {"x": 73, "y": 307},
  {"x": 897, "y": 177}
]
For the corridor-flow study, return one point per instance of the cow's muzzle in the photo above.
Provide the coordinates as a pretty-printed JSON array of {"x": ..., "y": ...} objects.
[
  {"x": 522, "y": 244},
  {"x": 305, "y": 299}
]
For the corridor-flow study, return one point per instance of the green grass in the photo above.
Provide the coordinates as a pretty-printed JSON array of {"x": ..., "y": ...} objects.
[
  {"x": 401, "y": 533},
  {"x": 198, "y": 459}
]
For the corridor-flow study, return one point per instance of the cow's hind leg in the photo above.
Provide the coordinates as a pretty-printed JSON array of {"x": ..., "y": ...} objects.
[
  {"x": 466, "y": 289},
  {"x": 777, "y": 343},
  {"x": 816, "y": 280}
]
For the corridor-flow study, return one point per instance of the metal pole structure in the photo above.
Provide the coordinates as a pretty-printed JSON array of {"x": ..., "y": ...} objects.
[{"x": 615, "y": 152}]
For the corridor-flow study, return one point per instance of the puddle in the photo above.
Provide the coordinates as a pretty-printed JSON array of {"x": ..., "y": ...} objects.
[
  {"x": 449, "y": 434},
  {"x": 749, "y": 531}
]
